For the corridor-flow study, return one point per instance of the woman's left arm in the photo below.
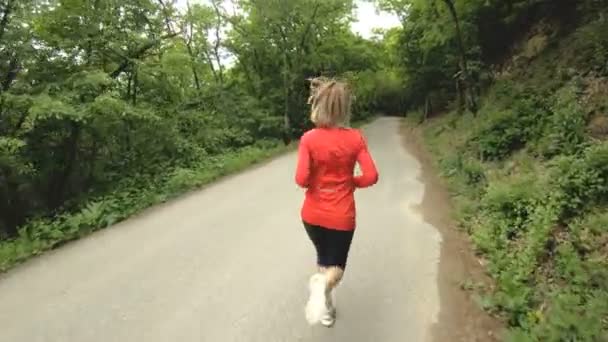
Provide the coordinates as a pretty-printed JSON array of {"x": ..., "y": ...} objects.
[{"x": 303, "y": 168}]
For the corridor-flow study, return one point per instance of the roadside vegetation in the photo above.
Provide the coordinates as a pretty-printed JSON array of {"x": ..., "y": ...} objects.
[{"x": 512, "y": 100}]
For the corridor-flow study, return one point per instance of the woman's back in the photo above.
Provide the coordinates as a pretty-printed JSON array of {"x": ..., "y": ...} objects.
[
  {"x": 333, "y": 154},
  {"x": 326, "y": 162}
]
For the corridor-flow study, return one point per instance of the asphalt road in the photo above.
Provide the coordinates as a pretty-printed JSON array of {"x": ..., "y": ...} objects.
[{"x": 231, "y": 263}]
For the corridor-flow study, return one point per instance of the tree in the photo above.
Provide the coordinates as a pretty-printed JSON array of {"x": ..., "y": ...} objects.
[
  {"x": 281, "y": 34},
  {"x": 101, "y": 96},
  {"x": 437, "y": 27}
]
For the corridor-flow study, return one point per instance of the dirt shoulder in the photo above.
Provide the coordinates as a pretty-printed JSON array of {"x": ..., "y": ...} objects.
[{"x": 460, "y": 318}]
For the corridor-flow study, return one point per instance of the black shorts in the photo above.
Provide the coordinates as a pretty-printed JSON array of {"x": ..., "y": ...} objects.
[{"x": 332, "y": 245}]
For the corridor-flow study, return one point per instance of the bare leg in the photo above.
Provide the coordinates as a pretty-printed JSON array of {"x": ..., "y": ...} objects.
[{"x": 334, "y": 276}]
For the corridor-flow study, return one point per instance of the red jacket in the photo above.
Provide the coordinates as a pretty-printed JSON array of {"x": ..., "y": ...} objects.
[{"x": 326, "y": 163}]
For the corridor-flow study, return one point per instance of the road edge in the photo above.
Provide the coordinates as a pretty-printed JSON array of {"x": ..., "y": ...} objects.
[{"x": 460, "y": 318}]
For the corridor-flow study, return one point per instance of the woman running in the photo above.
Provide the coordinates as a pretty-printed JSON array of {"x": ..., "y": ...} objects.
[{"x": 327, "y": 156}]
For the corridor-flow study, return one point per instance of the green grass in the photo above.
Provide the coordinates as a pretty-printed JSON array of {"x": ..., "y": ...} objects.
[
  {"x": 538, "y": 219},
  {"x": 40, "y": 235}
]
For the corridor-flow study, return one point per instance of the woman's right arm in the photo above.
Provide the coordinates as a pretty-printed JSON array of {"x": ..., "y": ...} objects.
[{"x": 369, "y": 173}]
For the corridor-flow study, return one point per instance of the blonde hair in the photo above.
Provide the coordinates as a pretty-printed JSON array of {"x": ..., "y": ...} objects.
[{"x": 331, "y": 103}]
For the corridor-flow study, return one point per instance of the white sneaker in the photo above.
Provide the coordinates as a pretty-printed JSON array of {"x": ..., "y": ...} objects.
[
  {"x": 329, "y": 318},
  {"x": 316, "y": 308}
]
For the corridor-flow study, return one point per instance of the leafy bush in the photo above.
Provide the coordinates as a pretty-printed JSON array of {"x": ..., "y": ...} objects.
[
  {"x": 416, "y": 116},
  {"x": 375, "y": 91},
  {"x": 591, "y": 46},
  {"x": 577, "y": 298},
  {"x": 581, "y": 182},
  {"x": 565, "y": 133},
  {"x": 590, "y": 233},
  {"x": 504, "y": 131},
  {"x": 132, "y": 196},
  {"x": 540, "y": 224},
  {"x": 501, "y": 135},
  {"x": 510, "y": 204},
  {"x": 571, "y": 317}
]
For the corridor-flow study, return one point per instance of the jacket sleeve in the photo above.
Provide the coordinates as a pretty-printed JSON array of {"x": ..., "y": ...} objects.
[
  {"x": 369, "y": 173},
  {"x": 303, "y": 167}
]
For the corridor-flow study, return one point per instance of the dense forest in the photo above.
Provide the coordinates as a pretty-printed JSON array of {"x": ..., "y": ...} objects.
[{"x": 110, "y": 106}]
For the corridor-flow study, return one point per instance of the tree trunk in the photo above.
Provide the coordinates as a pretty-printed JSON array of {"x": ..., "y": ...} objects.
[
  {"x": 466, "y": 77},
  {"x": 216, "y": 76},
  {"x": 134, "y": 89},
  {"x": 166, "y": 14},
  {"x": 216, "y": 47},
  {"x": 12, "y": 208},
  {"x": 90, "y": 36},
  {"x": 309, "y": 25},
  {"x": 460, "y": 90},
  {"x": 5, "y": 16},
  {"x": 197, "y": 81},
  {"x": 286, "y": 121},
  {"x": 250, "y": 84},
  {"x": 2, "y": 101},
  {"x": 129, "y": 85},
  {"x": 5, "y": 84},
  {"x": 11, "y": 74},
  {"x": 427, "y": 108},
  {"x": 89, "y": 180},
  {"x": 60, "y": 185}
]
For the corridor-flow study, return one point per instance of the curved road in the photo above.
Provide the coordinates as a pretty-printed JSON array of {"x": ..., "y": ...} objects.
[{"x": 231, "y": 263}]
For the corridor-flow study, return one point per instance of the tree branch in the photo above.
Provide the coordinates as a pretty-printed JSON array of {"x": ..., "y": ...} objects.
[
  {"x": 5, "y": 16},
  {"x": 309, "y": 25},
  {"x": 166, "y": 14},
  {"x": 190, "y": 38},
  {"x": 11, "y": 74},
  {"x": 216, "y": 46},
  {"x": 139, "y": 53}
]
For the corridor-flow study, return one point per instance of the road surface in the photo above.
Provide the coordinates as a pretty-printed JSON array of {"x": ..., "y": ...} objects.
[{"x": 231, "y": 263}]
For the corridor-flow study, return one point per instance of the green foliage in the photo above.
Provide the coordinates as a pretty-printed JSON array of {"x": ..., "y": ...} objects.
[
  {"x": 416, "y": 117},
  {"x": 542, "y": 238},
  {"x": 375, "y": 91},
  {"x": 42, "y": 234},
  {"x": 279, "y": 44},
  {"x": 468, "y": 170},
  {"x": 517, "y": 228},
  {"x": 529, "y": 183},
  {"x": 539, "y": 222},
  {"x": 591, "y": 46},
  {"x": 565, "y": 133},
  {"x": 577, "y": 308},
  {"x": 580, "y": 182},
  {"x": 511, "y": 118},
  {"x": 116, "y": 105},
  {"x": 502, "y": 134},
  {"x": 509, "y": 205}
]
